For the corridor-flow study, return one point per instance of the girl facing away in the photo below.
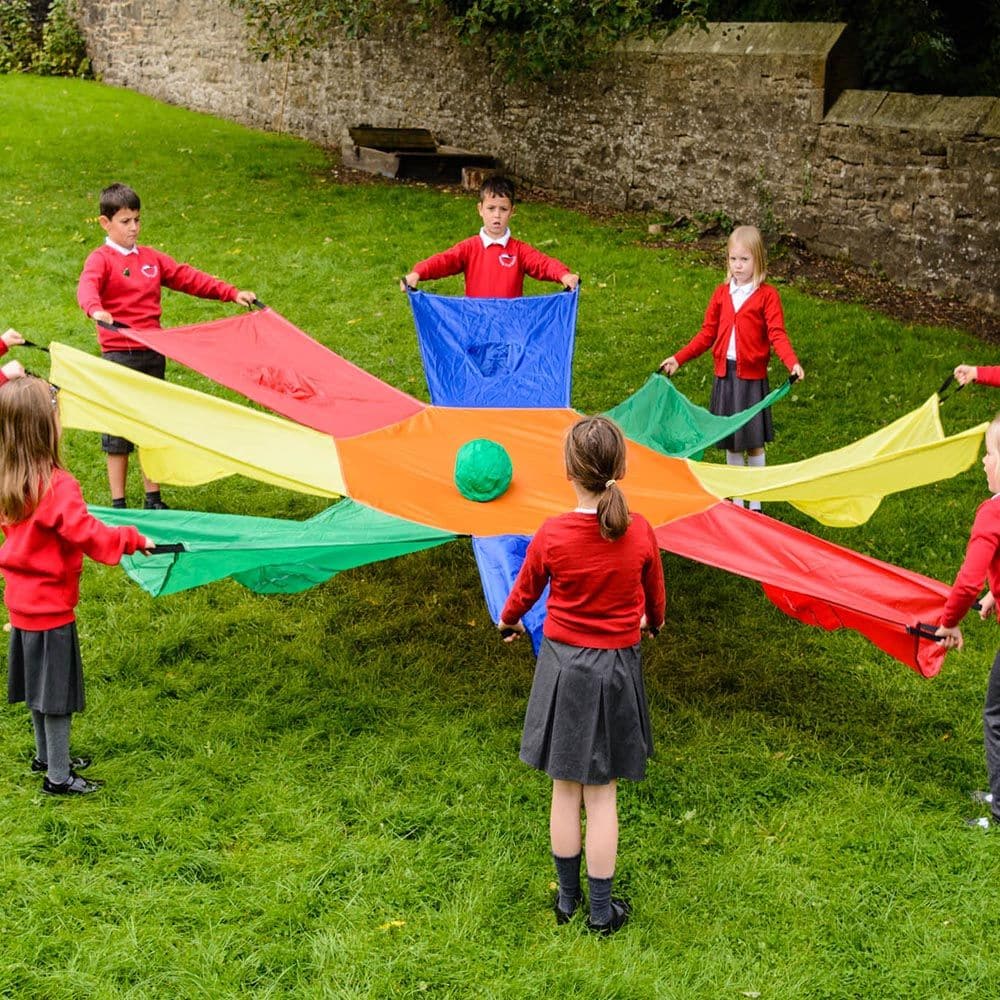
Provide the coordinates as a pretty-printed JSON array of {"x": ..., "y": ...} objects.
[
  {"x": 587, "y": 721},
  {"x": 743, "y": 322},
  {"x": 982, "y": 563},
  {"x": 47, "y": 530}
]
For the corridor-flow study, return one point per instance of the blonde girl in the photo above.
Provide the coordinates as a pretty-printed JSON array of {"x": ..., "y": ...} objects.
[{"x": 743, "y": 323}]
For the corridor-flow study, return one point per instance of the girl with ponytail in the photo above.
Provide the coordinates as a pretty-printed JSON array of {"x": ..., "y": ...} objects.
[{"x": 587, "y": 722}]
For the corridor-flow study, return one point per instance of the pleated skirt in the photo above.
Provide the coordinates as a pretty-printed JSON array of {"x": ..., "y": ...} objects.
[
  {"x": 731, "y": 395},
  {"x": 587, "y": 718},
  {"x": 45, "y": 670}
]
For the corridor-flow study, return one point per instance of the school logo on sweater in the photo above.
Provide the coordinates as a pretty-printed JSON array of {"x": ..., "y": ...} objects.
[
  {"x": 149, "y": 270},
  {"x": 507, "y": 259}
]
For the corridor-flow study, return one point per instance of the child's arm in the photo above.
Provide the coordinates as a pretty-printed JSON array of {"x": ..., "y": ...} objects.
[
  {"x": 527, "y": 587},
  {"x": 13, "y": 369},
  {"x": 191, "y": 281},
  {"x": 774, "y": 320},
  {"x": 102, "y": 542},
  {"x": 541, "y": 267},
  {"x": 653, "y": 586},
  {"x": 440, "y": 265},
  {"x": 981, "y": 374},
  {"x": 88, "y": 288},
  {"x": 702, "y": 340}
]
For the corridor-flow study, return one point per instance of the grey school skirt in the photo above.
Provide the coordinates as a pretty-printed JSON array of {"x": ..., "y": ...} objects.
[
  {"x": 45, "y": 670},
  {"x": 587, "y": 718},
  {"x": 730, "y": 395}
]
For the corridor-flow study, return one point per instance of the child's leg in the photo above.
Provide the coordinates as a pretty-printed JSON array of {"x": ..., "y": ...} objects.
[
  {"x": 735, "y": 458},
  {"x": 57, "y": 747},
  {"x": 601, "y": 805},
  {"x": 117, "y": 476},
  {"x": 756, "y": 458},
  {"x": 991, "y": 734},
  {"x": 564, "y": 831},
  {"x": 41, "y": 746}
]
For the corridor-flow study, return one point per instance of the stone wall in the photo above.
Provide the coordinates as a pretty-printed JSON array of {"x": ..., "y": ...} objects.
[{"x": 752, "y": 121}]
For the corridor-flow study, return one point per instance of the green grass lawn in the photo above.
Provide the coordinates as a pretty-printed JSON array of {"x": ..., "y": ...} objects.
[{"x": 319, "y": 795}]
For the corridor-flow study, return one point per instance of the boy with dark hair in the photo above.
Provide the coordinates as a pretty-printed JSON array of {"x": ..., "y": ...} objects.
[
  {"x": 121, "y": 283},
  {"x": 494, "y": 263}
]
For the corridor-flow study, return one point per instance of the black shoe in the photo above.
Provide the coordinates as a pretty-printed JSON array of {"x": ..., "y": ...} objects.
[
  {"x": 154, "y": 505},
  {"x": 74, "y": 786},
  {"x": 620, "y": 911},
  {"x": 565, "y": 916},
  {"x": 75, "y": 764}
]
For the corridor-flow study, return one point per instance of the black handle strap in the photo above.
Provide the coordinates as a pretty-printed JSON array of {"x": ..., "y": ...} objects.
[
  {"x": 942, "y": 396},
  {"x": 166, "y": 547},
  {"x": 37, "y": 347}
]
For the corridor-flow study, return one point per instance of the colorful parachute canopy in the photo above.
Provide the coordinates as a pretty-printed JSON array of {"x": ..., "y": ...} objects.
[
  {"x": 404, "y": 467},
  {"x": 186, "y": 437},
  {"x": 264, "y": 554},
  {"x": 843, "y": 488},
  {"x": 264, "y": 357},
  {"x": 664, "y": 419},
  {"x": 497, "y": 352},
  {"x": 816, "y": 581}
]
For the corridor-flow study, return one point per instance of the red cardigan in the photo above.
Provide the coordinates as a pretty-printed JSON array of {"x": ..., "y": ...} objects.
[
  {"x": 982, "y": 562},
  {"x": 128, "y": 286},
  {"x": 600, "y": 589},
  {"x": 3, "y": 351},
  {"x": 760, "y": 325},
  {"x": 42, "y": 556},
  {"x": 492, "y": 272},
  {"x": 988, "y": 375}
]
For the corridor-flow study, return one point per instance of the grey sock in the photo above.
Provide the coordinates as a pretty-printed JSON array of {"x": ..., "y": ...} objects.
[
  {"x": 38, "y": 721},
  {"x": 600, "y": 899},
  {"x": 568, "y": 874},
  {"x": 57, "y": 742}
]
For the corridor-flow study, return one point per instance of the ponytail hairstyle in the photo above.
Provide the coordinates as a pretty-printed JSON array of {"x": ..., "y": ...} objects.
[
  {"x": 595, "y": 458},
  {"x": 750, "y": 239},
  {"x": 29, "y": 445}
]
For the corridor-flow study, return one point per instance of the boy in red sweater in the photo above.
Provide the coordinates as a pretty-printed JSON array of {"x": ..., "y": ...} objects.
[
  {"x": 493, "y": 262},
  {"x": 121, "y": 283}
]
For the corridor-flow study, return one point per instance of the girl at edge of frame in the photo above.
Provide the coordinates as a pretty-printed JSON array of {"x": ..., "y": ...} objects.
[
  {"x": 982, "y": 562},
  {"x": 47, "y": 530},
  {"x": 743, "y": 322},
  {"x": 587, "y": 720}
]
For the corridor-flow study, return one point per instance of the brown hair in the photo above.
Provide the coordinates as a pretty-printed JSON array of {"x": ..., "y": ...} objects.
[
  {"x": 749, "y": 237},
  {"x": 595, "y": 458},
  {"x": 115, "y": 197},
  {"x": 29, "y": 445}
]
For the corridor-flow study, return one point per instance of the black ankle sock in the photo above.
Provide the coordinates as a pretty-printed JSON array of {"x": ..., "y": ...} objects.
[
  {"x": 600, "y": 899},
  {"x": 568, "y": 874},
  {"x": 153, "y": 496},
  {"x": 118, "y": 503}
]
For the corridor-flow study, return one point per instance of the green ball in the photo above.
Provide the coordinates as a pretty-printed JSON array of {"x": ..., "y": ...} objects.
[{"x": 483, "y": 470}]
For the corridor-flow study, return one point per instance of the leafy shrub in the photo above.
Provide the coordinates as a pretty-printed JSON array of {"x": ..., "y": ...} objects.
[
  {"x": 63, "y": 51},
  {"x": 57, "y": 49},
  {"x": 18, "y": 37}
]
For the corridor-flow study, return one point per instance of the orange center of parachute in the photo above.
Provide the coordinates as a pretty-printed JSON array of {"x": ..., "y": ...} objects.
[{"x": 407, "y": 469}]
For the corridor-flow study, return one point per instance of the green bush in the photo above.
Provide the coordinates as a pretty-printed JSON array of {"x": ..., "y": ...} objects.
[
  {"x": 18, "y": 37},
  {"x": 57, "y": 49},
  {"x": 63, "y": 51}
]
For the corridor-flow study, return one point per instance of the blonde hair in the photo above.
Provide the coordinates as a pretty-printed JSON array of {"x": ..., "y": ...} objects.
[
  {"x": 595, "y": 458},
  {"x": 29, "y": 445},
  {"x": 750, "y": 238},
  {"x": 992, "y": 435}
]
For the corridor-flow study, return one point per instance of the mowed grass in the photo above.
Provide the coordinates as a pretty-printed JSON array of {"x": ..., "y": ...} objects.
[{"x": 319, "y": 795}]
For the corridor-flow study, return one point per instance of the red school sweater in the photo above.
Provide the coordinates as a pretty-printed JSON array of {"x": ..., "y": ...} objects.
[
  {"x": 128, "y": 286},
  {"x": 600, "y": 589},
  {"x": 41, "y": 558},
  {"x": 981, "y": 563},
  {"x": 760, "y": 325},
  {"x": 492, "y": 272}
]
